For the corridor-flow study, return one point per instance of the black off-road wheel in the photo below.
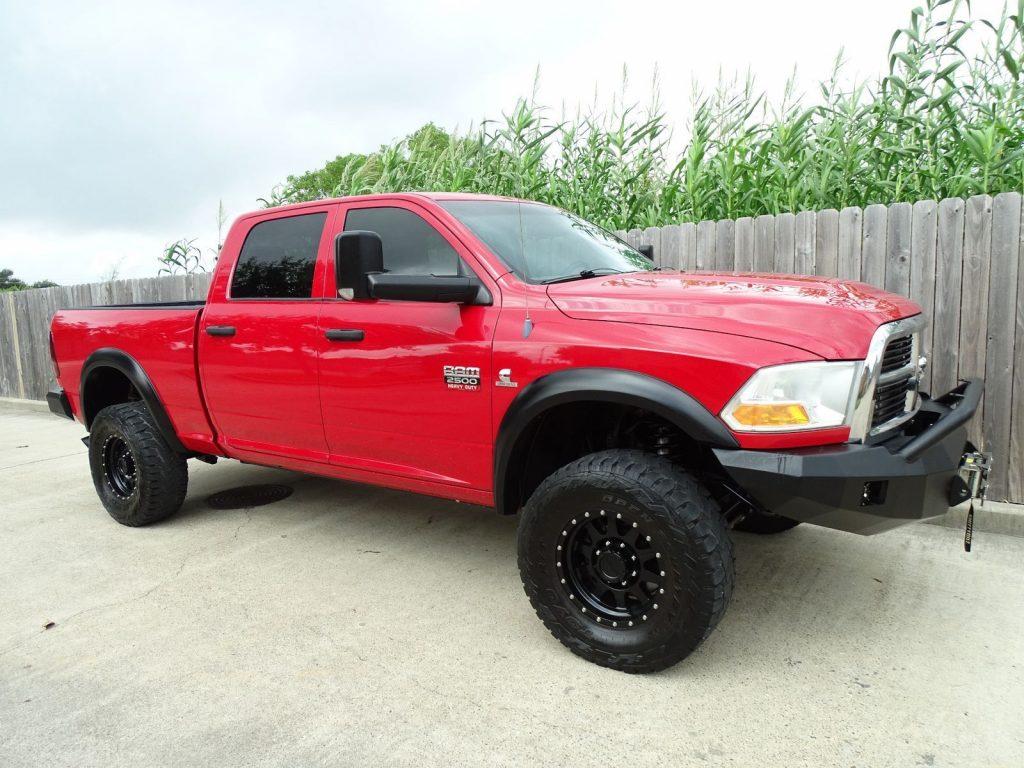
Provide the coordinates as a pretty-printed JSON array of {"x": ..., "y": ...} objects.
[
  {"x": 766, "y": 525},
  {"x": 626, "y": 559},
  {"x": 139, "y": 478}
]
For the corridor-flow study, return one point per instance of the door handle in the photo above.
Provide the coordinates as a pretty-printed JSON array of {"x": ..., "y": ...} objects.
[
  {"x": 220, "y": 330},
  {"x": 344, "y": 334}
]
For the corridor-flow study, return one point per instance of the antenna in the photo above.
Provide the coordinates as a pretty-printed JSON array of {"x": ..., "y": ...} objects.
[{"x": 527, "y": 322}]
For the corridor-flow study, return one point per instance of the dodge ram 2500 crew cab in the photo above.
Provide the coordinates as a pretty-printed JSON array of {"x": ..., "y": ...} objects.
[{"x": 511, "y": 355}]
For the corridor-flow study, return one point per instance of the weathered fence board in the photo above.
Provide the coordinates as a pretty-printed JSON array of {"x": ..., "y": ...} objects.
[
  {"x": 652, "y": 237},
  {"x": 725, "y": 247},
  {"x": 764, "y": 243},
  {"x": 745, "y": 244},
  {"x": 962, "y": 261},
  {"x": 897, "y": 249},
  {"x": 705, "y": 245},
  {"x": 1002, "y": 310},
  {"x": 826, "y": 243},
  {"x": 668, "y": 256},
  {"x": 850, "y": 237},
  {"x": 688, "y": 252},
  {"x": 804, "y": 258},
  {"x": 785, "y": 243},
  {"x": 949, "y": 259},
  {"x": 872, "y": 269},
  {"x": 1016, "y": 471},
  {"x": 922, "y": 272},
  {"x": 974, "y": 298}
]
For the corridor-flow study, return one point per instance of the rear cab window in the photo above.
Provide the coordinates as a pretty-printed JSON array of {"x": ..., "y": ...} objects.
[{"x": 278, "y": 258}]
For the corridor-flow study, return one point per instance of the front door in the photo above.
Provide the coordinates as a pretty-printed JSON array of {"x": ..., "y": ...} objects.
[
  {"x": 405, "y": 386},
  {"x": 258, "y": 344}
]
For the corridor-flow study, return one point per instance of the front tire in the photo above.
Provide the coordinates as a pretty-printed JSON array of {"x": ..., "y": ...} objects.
[
  {"x": 139, "y": 478},
  {"x": 626, "y": 559}
]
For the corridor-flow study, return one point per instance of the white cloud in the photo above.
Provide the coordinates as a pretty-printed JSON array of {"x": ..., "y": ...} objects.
[
  {"x": 123, "y": 124},
  {"x": 82, "y": 257}
]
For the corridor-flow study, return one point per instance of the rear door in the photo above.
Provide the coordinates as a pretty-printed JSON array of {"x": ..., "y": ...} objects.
[
  {"x": 407, "y": 391},
  {"x": 258, "y": 342}
]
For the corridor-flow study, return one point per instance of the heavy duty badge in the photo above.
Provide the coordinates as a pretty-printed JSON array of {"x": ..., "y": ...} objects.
[{"x": 462, "y": 377}]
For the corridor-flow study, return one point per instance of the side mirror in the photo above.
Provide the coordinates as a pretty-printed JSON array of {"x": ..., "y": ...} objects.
[
  {"x": 457, "y": 290},
  {"x": 646, "y": 250},
  {"x": 357, "y": 254}
]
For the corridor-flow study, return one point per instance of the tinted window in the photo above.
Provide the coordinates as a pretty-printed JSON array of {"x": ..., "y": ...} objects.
[
  {"x": 278, "y": 258},
  {"x": 540, "y": 243},
  {"x": 411, "y": 245}
]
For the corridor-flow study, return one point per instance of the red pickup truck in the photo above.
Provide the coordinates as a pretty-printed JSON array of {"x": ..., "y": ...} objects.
[{"x": 512, "y": 355}]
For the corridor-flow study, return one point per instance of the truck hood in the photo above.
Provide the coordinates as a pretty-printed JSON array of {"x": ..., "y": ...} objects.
[{"x": 831, "y": 318}]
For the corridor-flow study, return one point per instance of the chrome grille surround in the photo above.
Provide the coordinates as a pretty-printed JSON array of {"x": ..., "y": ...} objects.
[{"x": 880, "y": 369}]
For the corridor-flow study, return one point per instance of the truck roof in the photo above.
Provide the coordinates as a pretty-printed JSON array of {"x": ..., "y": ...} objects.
[{"x": 434, "y": 196}]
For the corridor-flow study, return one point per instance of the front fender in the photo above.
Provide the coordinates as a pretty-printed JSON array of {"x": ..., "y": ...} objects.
[{"x": 609, "y": 385}]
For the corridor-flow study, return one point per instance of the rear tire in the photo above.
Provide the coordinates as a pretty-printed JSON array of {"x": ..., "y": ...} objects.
[
  {"x": 139, "y": 478},
  {"x": 626, "y": 559},
  {"x": 766, "y": 525}
]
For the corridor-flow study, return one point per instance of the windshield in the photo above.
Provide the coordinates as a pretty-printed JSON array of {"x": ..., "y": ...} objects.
[{"x": 542, "y": 244}]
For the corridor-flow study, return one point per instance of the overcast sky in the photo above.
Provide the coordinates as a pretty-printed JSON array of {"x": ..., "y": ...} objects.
[{"x": 123, "y": 124}]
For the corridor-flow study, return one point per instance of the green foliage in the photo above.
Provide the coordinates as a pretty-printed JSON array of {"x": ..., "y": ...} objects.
[
  {"x": 181, "y": 257},
  {"x": 8, "y": 282},
  {"x": 942, "y": 122}
]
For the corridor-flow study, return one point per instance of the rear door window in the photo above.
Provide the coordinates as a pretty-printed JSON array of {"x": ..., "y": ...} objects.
[{"x": 278, "y": 258}]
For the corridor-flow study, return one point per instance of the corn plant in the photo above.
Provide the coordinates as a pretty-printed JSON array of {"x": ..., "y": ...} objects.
[
  {"x": 181, "y": 257},
  {"x": 945, "y": 119}
]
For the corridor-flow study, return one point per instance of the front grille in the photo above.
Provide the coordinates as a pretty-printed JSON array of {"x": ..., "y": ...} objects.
[
  {"x": 887, "y": 395},
  {"x": 898, "y": 354},
  {"x": 891, "y": 401}
]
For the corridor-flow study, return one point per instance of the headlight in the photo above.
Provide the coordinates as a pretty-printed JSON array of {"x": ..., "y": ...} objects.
[{"x": 791, "y": 397}]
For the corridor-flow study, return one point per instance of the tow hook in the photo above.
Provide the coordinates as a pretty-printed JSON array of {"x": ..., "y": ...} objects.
[{"x": 971, "y": 482}]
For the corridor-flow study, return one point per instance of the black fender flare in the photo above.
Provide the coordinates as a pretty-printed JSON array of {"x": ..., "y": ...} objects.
[
  {"x": 109, "y": 357},
  {"x": 609, "y": 385}
]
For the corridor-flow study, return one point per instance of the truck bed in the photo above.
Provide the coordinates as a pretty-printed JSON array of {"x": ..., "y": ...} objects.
[{"x": 161, "y": 336}]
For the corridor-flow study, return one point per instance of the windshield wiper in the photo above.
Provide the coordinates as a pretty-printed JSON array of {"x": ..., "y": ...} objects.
[{"x": 582, "y": 275}]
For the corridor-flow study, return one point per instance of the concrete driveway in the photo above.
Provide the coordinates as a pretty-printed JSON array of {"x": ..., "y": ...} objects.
[{"x": 350, "y": 625}]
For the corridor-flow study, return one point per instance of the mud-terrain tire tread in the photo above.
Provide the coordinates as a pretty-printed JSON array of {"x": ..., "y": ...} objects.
[
  {"x": 694, "y": 521},
  {"x": 162, "y": 472}
]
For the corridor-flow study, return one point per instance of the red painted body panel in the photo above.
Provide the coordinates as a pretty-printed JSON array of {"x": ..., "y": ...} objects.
[
  {"x": 161, "y": 340},
  {"x": 708, "y": 366},
  {"x": 399, "y": 482},
  {"x": 261, "y": 384},
  {"x": 830, "y": 318},
  {"x": 279, "y": 393},
  {"x": 385, "y": 404}
]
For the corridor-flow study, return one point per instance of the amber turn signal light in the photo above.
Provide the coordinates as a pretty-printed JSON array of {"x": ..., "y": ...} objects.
[{"x": 771, "y": 414}]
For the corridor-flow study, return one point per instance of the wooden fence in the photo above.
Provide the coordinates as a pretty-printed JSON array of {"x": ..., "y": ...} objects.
[{"x": 961, "y": 260}]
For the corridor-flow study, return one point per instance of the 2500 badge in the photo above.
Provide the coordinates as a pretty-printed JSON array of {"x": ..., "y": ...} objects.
[{"x": 462, "y": 377}]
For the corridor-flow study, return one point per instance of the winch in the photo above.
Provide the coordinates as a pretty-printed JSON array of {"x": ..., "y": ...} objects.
[{"x": 971, "y": 482}]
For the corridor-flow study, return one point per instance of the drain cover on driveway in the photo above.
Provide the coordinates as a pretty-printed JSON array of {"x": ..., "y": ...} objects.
[{"x": 249, "y": 496}]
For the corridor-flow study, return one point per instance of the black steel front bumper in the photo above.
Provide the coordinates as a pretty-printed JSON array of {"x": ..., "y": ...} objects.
[
  {"x": 59, "y": 403},
  {"x": 865, "y": 488}
]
